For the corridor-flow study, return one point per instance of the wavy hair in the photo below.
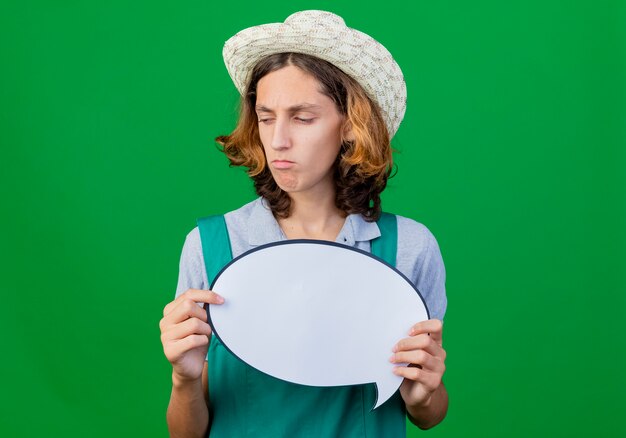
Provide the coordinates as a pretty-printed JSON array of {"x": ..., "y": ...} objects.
[{"x": 363, "y": 165}]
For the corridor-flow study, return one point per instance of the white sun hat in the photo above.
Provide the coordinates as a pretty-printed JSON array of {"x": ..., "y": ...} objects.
[{"x": 326, "y": 36}]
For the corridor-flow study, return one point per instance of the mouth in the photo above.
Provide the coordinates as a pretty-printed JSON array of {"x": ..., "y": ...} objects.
[{"x": 282, "y": 164}]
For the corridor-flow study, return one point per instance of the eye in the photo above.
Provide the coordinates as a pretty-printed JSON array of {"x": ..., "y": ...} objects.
[
  {"x": 300, "y": 119},
  {"x": 265, "y": 121}
]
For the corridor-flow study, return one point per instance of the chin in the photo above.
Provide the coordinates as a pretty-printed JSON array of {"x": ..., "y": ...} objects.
[
  {"x": 288, "y": 190},
  {"x": 288, "y": 185}
]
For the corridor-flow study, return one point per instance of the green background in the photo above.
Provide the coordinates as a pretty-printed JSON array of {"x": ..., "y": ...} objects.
[{"x": 512, "y": 152}]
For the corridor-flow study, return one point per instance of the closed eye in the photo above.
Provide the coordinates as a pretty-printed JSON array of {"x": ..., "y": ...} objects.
[{"x": 299, "y": 119}]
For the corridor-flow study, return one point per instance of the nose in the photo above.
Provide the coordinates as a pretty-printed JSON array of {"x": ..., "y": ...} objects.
[{"x": 280, "y": 135}]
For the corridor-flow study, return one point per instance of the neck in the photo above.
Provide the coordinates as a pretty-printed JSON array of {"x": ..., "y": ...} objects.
[{"x": 313, "y": 216}]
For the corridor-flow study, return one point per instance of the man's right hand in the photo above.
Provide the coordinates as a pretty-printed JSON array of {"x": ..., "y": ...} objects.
[{"x": 185, "y": 333}]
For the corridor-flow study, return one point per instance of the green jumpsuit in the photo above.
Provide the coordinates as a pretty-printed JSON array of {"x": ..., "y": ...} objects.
[{"x": 245, "y": 402}]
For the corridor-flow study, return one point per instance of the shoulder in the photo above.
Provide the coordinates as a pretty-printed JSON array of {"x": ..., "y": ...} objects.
[
  {"x": 419, "y": 258},
  {"x": 241, "y": 214},
  {"x": 191, "y": 270},
  {"x": 417, "y": 245},
  {"x": 414, "y": 235},
  {"x": 238, "y": 220},
  {"x": 415, "y": 240},
  {"x": 192, "y": 273},
  {"x": 192, "y": 241}
]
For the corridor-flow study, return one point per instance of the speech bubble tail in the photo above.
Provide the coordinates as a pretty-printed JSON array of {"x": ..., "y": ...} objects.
[{"x": 385, "y": 389}]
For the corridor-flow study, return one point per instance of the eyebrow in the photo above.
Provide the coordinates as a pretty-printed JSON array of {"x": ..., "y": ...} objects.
[{"x": 292, "y": 109}]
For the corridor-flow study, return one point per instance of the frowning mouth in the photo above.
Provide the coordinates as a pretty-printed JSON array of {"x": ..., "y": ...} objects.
[{"x": 282, "y": 164}]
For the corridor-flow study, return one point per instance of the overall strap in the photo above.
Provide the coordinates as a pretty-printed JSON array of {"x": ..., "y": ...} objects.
[
  {"x": 217, "y": 252},
  {"x": 215, "y": 245},
  {"x": 390, "y": 418},
  {"x": 385, "y": 246}
]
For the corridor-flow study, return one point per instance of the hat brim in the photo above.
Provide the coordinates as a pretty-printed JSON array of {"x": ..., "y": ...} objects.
[{"x": 324, "y": 35}]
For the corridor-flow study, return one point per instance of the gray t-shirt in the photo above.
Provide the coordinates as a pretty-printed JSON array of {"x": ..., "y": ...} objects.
[{"x": 252, "y": 225}]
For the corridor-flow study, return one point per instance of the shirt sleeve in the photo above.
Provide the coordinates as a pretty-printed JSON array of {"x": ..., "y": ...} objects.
[
  {"x": 191, "y": 273},
  {"x": 420, "y": 259}
]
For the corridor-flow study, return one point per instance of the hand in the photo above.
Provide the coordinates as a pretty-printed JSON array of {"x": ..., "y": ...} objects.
[
  {"x": 185, "y": 333},
  {"x": 424, "y": 353}
]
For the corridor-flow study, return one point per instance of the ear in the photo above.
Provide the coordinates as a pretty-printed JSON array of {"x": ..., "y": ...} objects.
[{"x": 348, "y": 135}]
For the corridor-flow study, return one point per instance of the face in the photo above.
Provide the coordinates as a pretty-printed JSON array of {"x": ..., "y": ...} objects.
[{"x": 300, "y": 129}]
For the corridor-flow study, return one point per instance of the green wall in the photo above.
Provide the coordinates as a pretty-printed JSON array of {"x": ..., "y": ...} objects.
[{"x": 512, "y": 152}]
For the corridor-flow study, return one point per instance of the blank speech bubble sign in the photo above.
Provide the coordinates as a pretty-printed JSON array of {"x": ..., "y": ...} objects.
[{"x": 316, "y": 313}]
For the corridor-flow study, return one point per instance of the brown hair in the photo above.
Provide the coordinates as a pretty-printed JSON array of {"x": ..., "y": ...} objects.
[{"x": 362, "y": 166}]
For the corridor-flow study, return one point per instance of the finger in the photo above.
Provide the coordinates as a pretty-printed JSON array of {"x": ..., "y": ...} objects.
[
  {"x": 186, "y": 309},
  {"x": 180, "y": 347},
  {"x": 432, "y": 326},
  {"x": 192, "y": 326},
  {"x": 430, "y": 380},
  {"x": 428, "y": 326},
  {"x": 419, "y": 357},
  {"x": 419, "y": 342},
  {"x": 197, "y": 295}
]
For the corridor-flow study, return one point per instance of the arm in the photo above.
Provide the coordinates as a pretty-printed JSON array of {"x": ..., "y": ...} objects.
[
  {"x": 422, "y": 390},
  {"x": 188, "y": 413},
  {"x": 185, "y": 336},
  {"x": 424, "y": 394},
  {"x": 432, "y": 412}
]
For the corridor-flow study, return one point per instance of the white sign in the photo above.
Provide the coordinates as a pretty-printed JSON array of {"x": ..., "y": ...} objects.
[{"x": 316, "y": 313}]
